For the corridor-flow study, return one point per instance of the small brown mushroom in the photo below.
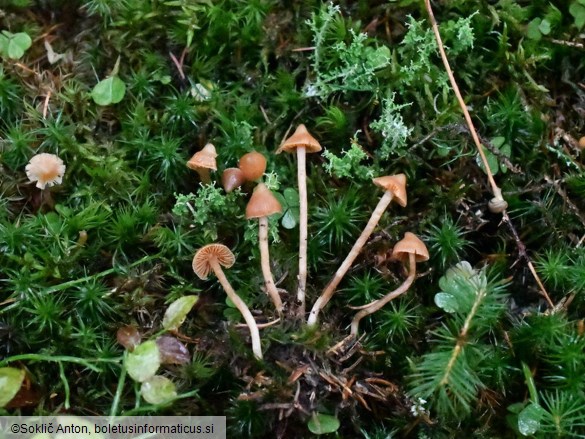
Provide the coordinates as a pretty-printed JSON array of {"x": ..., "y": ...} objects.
[
  {"x": 410, "y": 248},
  {"x": 262, "y": 204},
  {"x": 302, "y": 142},
  {"x": 394, "y": 188},
  {"x": 202, "y": 161},
  {"x": 497, "y": 204},
  {"x": 253, "y": 165},
  {"x": 232, "y": 178},
  {"x": 211, "y": 258}
]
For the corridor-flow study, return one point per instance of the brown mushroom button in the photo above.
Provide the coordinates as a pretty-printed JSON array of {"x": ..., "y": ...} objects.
[
  {"x": 232, "y": 178},
  {"x": 253, "y": 165},
  {"x": 410, "y": 244},
  {"x": 218, "y": 252}
]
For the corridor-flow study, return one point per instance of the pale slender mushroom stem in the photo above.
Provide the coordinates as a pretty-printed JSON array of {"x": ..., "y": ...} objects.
[
  {"x": 242, "y": 307},
  {"x": 303, "y": 207},
  {"x": 265, "y": 263},
  {"x": 355, "y": 250},
  {"x": 376, "y": 305}
]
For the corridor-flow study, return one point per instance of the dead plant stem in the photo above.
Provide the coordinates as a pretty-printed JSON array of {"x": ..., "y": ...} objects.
[
  {"x": 495, "y": 189},
  {"x": 497, "y": 192}
]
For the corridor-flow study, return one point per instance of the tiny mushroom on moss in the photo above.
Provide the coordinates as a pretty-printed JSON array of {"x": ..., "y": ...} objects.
[
  {"x": 128, "y": 336},
  {"x": 211, "y": 258},
  {"x": 45, "y": 169},
  {"x": 232, "y": 178},
  {"x": 410, "y": 249},
  {"x": 253, "y": 165},
  {"x": 202, "y": 161},
  {"x": 394, "y": 188},
  {"x": 497, "y": 204},
  {"x": 262, "y": 204},
  {"x": 301, "y": 142}
]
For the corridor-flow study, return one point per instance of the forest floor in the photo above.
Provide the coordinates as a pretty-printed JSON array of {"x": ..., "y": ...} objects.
[{"x": 101, "y": 312}]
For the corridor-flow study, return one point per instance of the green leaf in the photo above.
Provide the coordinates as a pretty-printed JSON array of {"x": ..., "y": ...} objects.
[
  {"x": 506, "y": 150},
  {"x": 516, "y": 408},
  {"x": 288, "y": 220},
  {"x": 143, "y": 363},
  {"x": 109, "y": 91},
  {"x": 232, "y": 314},
  {"x": 529, "y": 419},
  {"x": 289, "y": 200},
  {"x": 14, "y": 45},
  {"x": 533, "y": 30},
  {"x": 10, "y": 381},
  {"x": 282, "y": 202},
  {"x": 447, "y": 302},
  {"x": 498, "y": 141},
  {"x": 491, "y": 159},
  {"x": 323, "y": 424},
  {"x": 229, "y": 302},
  {"x": 578, "y": 12},
  {"x": 292, "y": 197},
  {"x": 453, "y": 281},
  {"x": 544, "y": 27},
  {"x": 158, "y": 389},
  {"x": 177, "y": 312}
]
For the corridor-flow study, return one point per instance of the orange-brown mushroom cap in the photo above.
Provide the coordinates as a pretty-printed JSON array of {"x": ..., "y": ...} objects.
[
  {"x": 300, "y": 137},
  {"x": 204, "y": 158},
  {"x": 410, "y": 244},
  {"x": 232, "y": 178},
  {"x": 204, "y": 256},
  {"x": 253, "y": 165},
  {"x": 395, "y": 184},
  {"x": 262, "y": 203}
]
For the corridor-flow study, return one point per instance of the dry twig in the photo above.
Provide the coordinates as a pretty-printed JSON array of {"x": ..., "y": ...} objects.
[{"x": 497, "y": 204}]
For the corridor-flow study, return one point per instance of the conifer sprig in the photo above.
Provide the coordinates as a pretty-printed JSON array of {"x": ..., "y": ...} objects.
[{"x": 449, "y": 376}]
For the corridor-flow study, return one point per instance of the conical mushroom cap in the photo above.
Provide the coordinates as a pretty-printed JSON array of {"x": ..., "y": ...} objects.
[
  {"x": 204, "y": 256},
  {"x": 300, "y": 137},
  {"x": 204, "y": 158},
  {"x": 395, "y": 184},
  {"x": 262, "y": 203},
  {"x": 410, "y": 244}
]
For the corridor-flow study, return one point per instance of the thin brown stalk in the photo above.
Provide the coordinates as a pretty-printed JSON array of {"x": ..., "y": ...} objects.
[
  {"x": 496, "y": 191},
  {"x": 523, "y": 254},
  {"x": 378, "y": 304},
  {"x": 353, "y": 254},
  {"x": 303, "y": 226},
  {"x": 265, "y": 264},
  {"x": 241, "y": 306}
]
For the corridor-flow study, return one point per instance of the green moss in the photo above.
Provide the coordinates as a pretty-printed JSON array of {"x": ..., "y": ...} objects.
[{"x": 112, "y": 245}]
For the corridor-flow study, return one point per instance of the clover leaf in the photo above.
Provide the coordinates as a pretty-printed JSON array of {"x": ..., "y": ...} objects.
[{"x": 14, "y": 45}]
